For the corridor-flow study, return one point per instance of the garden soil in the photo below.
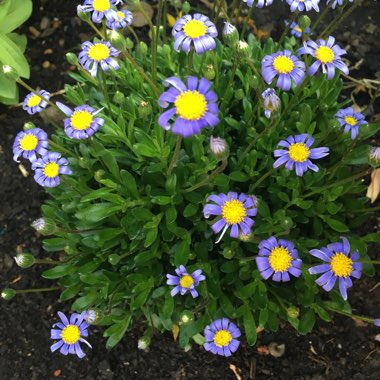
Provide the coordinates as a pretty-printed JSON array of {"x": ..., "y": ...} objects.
[{"x": 339, "y": 350}]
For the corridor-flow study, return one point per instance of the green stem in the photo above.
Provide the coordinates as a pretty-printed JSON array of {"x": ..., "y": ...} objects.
[
  {"x": 134, "y": 34},
  {"x": 261, "y": 179},
  {"x": 49, "y": 262},
  {"x": 376, "y": 262},
  {"x": 217, "y": 11},
  {"x": 96, "y": 30},
  {"x": 229, "y": 84},
  {"x": 286, "y": 31},
  {"x": 190, "y": 62},
  {"x": 59, "y": 148},
  {"x": 37, "y": 290},
  {"x": 248, "y": 17},
  {"x": 339, "y": 163},
  {"x": 321, "y": 16},
  {"x": 177, "y": 150},
  {"x": 366, "y": 319},
  {"x": 207, "y": 180},
  {"x": 105, "y": 91}
]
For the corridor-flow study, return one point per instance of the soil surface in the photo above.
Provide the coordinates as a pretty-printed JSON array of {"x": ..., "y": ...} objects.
[{"x": 338, "y": 350}]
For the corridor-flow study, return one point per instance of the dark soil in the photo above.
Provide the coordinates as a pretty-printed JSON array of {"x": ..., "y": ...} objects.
[{"x": 333, "y": 351}]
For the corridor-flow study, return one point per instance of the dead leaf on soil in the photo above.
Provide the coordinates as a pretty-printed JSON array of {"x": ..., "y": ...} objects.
[
  {"x": 263, "y": 350},
  {"x": 57, "y": 373},
  {"x": 17, "y": 279},
  {"x": 175, "y": 331},
  {"x": 23, "y": 170},
  {"x": 234, "y": 369}
]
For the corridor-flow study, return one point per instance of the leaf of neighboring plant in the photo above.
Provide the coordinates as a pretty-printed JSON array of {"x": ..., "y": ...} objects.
[
  {"x": 19, "y": 39},
  {"x": 18, "y": 12},
  {"x": 138, "y": 18},
  {"x": 4, "y": 6},
  {"x": 10, "y": 54},
  {"x": 8, "y": 88}
]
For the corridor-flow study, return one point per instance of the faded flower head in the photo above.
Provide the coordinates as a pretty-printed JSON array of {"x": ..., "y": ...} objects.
[{"x": 271, "y": 101}]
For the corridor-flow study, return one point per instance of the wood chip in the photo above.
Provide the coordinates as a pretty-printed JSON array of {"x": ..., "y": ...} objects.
[
  {"x": 48, "y": 51},
  {"x": 46, "y": 64},
  {"x": 57, "y": 373},
  {"x": 233, "y": 368},
  {"x": 23, "y": 170},
  {"x": 34, "y": 32}
]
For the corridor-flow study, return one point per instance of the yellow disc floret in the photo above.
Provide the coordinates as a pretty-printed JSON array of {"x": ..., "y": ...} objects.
[
  {"x": 186, "y": 281},
  {"x": 120, "y": 16},
  {"x": 341, "y": 265},
  {"x": 195, "y": 29},
  {"x": 191, "y": 105},
  {"x": 283, "y": 65},
  {"x": 70, "y": 334},
  {"x": 81, "y": 120},
  {"x": 298, "y": 29},
  {"x": 299, "y": 152},
  {"x": 33, "y": 101},
  {"x": 324, "y": 54},
  {"x": 29, "y": 142},
  {"x": 280, "y": 259},
  {"x": 233, "y": 211},
  {"x": 98, "y": 52},
  {"x": 350, "y": 120},
  {"x": 101, "y": 5},
  {"x": 51, "y": 170},
  {"x": 222, "y": 338}
]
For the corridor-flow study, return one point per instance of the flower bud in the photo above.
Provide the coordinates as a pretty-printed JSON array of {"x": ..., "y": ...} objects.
[
  {"x": 304, "y": 22},
  {"x": 142, "y": 48},
  {"x": 271, "y": 101},
  {"x": 10, "y": 73},
  {"x": 118, "y": 98},
  {"x": 129, "y": 43},
  {"x": 186, "y": 317},
  {"x": 230, "y": 34},
  {"x": 228, "y": 253},
  {"x": 72, "y": 58},
  {"x": 209, "y": 73},
  {"x": 186, "y": 7},
  {"x": 254, "y": 82},
  {"x": 44, "y": 226},
  {"x": 187, "y": 348},
  {"x": 293, "y": 312},
  {"x": 114, "y": 259},
  {"x": 239, "y": 94},
  {"x": 117, "y": 39},
  {"x": 28, "y": 125},
  {"x": 25, "y": 260},
  {"x": 219, "y": 147},
  {"x": 92, "y": 316},
  {"x": 374, "y": 157},
  {"x": 243, "y": 49},
  {"x": 286, "y": 223},
  {"x": 8, "y": 293},
  {"x": 374, "y": 187},
  {"x": 245, "y": 238},
  {"x": 143, "y": 343},
  {"x": 144, "y": 109}
]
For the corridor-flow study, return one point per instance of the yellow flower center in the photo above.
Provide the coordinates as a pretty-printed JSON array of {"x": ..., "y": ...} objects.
[
  {"x": 350, "y": 120},
  {"x": 341, "y": 265},
  {"x": 233, "y": 211},
  {"x": 98, "y": 52},
  {"x": 101, "y": 5},
  {"x": 33, "y": 101},
  {"x": 280, "y": 259},
  {"x": 70, "y": 334},
  {"x": 191, "y": 105},
  {"x": 222, "y": 338},
  {"x": 29, "y": 142},
  {"x": 283, "y": 65},
  {"x": 195, "y": 29},
  {"x": 299, "y": 152},
  {"x": 298, "y": 29},
  {"x": 81, "y": 120},
  {"x": 324, "y": 54},
  {"x": 186, "y": 281},
  {"x": 51, "y": 170},
  {"x": 120, "y": 16}
]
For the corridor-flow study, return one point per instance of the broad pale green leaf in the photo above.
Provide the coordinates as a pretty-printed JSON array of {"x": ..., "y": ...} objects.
[
  {"x": 11, "y": 54},
  {"x": 18, "y": 12},
  {"x": 4, "y": 7},
  {"x": 8, "y": 88}
]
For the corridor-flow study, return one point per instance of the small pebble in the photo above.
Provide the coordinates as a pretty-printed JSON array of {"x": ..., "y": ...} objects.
[{"x": 46, "y": 64}]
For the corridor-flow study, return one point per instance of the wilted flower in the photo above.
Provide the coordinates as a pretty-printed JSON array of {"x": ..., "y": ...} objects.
[
  {"x": 194, "y": 104},
  {"x": 196, "y": 29},
  {"x": 258, "y": 3},
  {"x": 120, "y": 19},
  {"x": 337, "y": 2},
  {"x": 326, "y": 54},
  {"x": 143, "y": 343},
  {"x": 373, "y": 190},
  {"x": 185, "y": 282},
  {"x": 28, "y": 143},
  {"x": 339, "y": 266},
  {"x": 48, "y": 168},
  {"x": 350, "y": 120},
  {"x": 91, "y": 316},
  {"x": 81, "y": 122},
  {"x": 271, "y": 101},
  {"x": 221, "y": 337},
  {"x": 234, "y": 211},
  {"x": 298, "y": 153},
  {"x": 296, "y": 30},
  {"x": 218, "y": 146},
  {"x": 303, "y": 4},
  {"x": 100, "y": 8},
  {"x": 286, "y": 65},
  {"x": 278, "y": 258},
  {"x": 374, "y": 156},
  {"x": 70, "y": 334},
  {"x": 99, "y": 53},
  {"x": 34, "y": 103}
]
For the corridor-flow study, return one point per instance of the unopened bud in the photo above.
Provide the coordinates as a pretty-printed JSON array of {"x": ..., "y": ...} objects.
[
  {"x": 230, "y": 34},
  {"x": 186, "y": 7},
  {"x": 144, "y": 109},
  {"x": 28, "y": 126},
  {"x": 243, "y": 49},
  {"x": 118, "y": 98},
  {"x": 129, "y": 43},
  {"x": 114, "y": 259},
  {"x": 245, "y": 238},
  {"x": 209, "y": 73},
  {"x": 117, "y": 39},
  {"x": 374, "y": 157},
  {"x": 186, "y": 317},
  {"x": 143, "y": 343},
  {"x": 219, "y": 147},
  {"x": 304, "y": 22},
  {"x": 293, "y": 312},
  {"x": 44, "y": 226},
  {"x": 239, "y": 94},
  {"x": 142, "y": 48},
  {"x": 187, "y": 348},
  {"x": 25, "y": 260},
  {"x": 72, "y": 58},
  {"x": 10, "y": 73},
  {"x": 8, "y": 293}
]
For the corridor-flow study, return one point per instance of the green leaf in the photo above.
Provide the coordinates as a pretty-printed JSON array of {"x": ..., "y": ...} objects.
[
  {"x": 4, "y": 6},
  {"x": 190, "y": 210},
  {"x": 336, "y": 225},
  {"x": 116, "y": 332},
  {"x": 19, "y": 39},
  {"x": 59, "y": 271},
  {"x": 18, "y": 12},
  {"x": 307, "y": 322},
  {"x": 145, "y": 150},
  {"x": 10, "y": 54},
  {"x": 249, "y": 325},
  {"x": 97, "y": 212},
  {"x": 182, "y": 252},
  {"x": 129, "y": 182},
  {"x": 8, "y": 88}
]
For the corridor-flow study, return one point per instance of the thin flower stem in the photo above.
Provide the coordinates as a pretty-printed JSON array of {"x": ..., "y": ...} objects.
[
  {"x": 261, "y": 179},
  {"x": 165, "y": 16},
  {"x": 217, "y": 11},
  {"x": 38, "y": 290},
  {"x": 339, "y": 163},
  {"x": 366, "y": 319},
  {"x": 286, "y": 31},
  {"x": 233, "y": 6},
  {"x": 96, "y": 30},
  {"x": 177, "y": 150},
  {"x": 248, "y": 17},
  {"x": 48, "y": 262},
  {"x": 321, "y": 17},
  {"x": 230, "y": 82},
  {"x": 58, "y": 148},
  {"x": 158, "y": 23},
  {"x": 190, "y": 63},
  {"x": 208, "y": 179},
  {"x": 376, "y": 262},
  {"x": 105, "y": 91},
  {"x": 134, "y": 34}
]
